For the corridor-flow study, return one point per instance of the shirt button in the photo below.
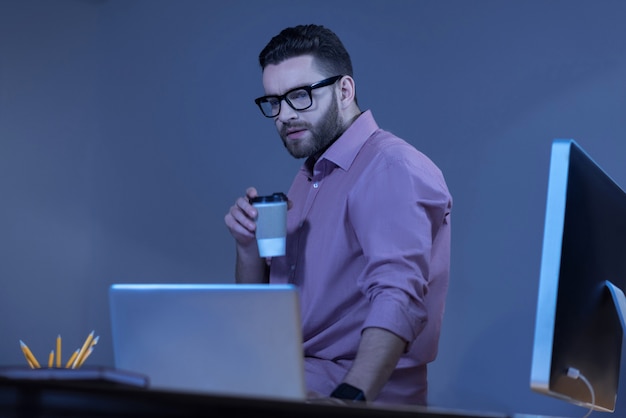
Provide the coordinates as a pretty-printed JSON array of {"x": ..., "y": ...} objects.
[
  {"x": 293, "y": 267},
  {"x": 316, "y": 185}
]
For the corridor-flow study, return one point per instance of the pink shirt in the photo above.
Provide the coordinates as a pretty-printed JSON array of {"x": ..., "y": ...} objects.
[{"x": 368, "y": 245}]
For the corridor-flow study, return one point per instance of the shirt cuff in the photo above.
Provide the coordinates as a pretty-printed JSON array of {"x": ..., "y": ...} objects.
[{"x": 399, "y": 314}]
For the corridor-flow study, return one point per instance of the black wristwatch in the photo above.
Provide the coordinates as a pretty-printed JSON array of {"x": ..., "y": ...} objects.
[{"x": 346, "y": 391}]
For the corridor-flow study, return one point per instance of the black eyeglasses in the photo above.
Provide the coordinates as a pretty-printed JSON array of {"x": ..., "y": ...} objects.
[{"x": 299, "y": 98}]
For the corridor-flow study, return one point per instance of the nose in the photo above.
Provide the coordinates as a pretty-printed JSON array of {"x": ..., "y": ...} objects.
[{"x": 286, "y": 112}]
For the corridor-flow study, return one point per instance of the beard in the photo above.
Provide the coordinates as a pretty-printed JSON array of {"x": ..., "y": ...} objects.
[{"x": 323, "y": 134}]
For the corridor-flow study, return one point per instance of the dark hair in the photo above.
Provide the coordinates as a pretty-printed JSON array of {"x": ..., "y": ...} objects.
[{"x": 323, "y": 44}]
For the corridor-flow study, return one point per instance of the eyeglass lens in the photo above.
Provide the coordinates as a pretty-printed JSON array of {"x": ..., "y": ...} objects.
[{"x": 297, "y": 99}]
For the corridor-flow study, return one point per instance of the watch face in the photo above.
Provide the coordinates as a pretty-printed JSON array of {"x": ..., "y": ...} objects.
[{"x": 346, "y": 391}]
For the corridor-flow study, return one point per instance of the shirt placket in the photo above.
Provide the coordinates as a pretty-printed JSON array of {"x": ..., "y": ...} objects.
[{"x": 315, "y": 183}]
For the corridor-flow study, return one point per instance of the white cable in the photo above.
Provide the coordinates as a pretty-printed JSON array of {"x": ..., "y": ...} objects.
[{"x": 574, "y": 373}]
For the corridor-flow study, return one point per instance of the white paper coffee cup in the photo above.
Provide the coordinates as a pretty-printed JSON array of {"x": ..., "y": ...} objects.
[{"x": 271, "y": 224}]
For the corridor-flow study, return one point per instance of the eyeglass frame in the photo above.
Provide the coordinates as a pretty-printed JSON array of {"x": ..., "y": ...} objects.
[{"x": 322, "y": 83}]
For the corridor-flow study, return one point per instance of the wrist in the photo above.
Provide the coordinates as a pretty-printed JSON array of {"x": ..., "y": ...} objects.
[{"x": 348, "y": 392}]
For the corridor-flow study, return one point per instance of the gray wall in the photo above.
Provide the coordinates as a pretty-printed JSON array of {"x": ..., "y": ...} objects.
[{"x": 127, "y": 129}]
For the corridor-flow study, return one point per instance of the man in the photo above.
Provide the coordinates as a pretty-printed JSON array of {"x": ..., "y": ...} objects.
[{"x": 368, "y": 229}]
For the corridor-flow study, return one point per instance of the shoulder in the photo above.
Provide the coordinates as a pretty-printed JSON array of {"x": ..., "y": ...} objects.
[{"x": 387, "y": 151}]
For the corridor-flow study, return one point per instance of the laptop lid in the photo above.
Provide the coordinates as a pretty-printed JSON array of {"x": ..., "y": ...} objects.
[{"x": 228, "y": 339}]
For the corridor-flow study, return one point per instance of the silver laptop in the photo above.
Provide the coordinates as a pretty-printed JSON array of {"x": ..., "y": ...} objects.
[{"x": 225, "y": 339}]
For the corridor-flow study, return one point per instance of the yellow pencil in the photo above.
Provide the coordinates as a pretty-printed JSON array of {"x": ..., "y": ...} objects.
[
  {"x": 89, "y": 351},
  {"x": 83, "y": 350},
  {"x": 58, "y": 351},
  {"x": 29, "y": 356},
  {"x": 84, "y": 357},
  {"x": 70, "y": 362},
  {"x": 32, "y": 366},
  {"x": 51, "y": 359}
]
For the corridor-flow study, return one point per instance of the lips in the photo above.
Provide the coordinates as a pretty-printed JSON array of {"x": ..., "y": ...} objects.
[{"x": 294, "y": 133}]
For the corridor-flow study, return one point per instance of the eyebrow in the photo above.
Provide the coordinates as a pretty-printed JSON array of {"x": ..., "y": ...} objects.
[{"x": 291, "y": 89}]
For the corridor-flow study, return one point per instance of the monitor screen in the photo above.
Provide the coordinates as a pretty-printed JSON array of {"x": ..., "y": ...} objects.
[{"x": 578, "y": 332}]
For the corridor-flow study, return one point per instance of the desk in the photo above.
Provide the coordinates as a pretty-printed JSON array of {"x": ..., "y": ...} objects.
[{"x": 19, "y": 398}]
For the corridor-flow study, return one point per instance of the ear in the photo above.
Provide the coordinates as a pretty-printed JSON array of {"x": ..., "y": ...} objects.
[{"x": 347, "y": 89}]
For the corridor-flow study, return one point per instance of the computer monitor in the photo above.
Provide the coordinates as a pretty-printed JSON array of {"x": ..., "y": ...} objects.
[{"x": 579, "y": 322}]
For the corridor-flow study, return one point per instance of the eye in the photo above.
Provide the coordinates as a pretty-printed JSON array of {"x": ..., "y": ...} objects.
[{"x": 299, "y": 95}]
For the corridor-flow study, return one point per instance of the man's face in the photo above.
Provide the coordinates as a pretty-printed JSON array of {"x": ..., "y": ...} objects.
[{"x": 305, "y": 132}]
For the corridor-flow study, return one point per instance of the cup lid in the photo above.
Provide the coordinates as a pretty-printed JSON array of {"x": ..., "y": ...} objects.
[{"x": 276, "y": 197}]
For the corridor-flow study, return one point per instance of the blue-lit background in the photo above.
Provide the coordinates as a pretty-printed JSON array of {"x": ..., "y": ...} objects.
[{"x": 128, "y": 128}]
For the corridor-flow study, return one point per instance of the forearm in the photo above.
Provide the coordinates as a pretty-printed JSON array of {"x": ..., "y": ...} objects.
[
  {"x": 249, "y": 267},
  {"x": 377, "y": 357}
]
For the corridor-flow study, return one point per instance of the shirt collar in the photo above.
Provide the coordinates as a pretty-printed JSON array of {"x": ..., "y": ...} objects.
[{"x": 345, "y": 149}]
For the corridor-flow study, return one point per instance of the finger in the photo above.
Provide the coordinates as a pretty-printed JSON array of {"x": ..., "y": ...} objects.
[
  {"x": 242, "y": 233},
  {"x": 243, "y": 205},
  {"x": 251, "y": 193}
]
